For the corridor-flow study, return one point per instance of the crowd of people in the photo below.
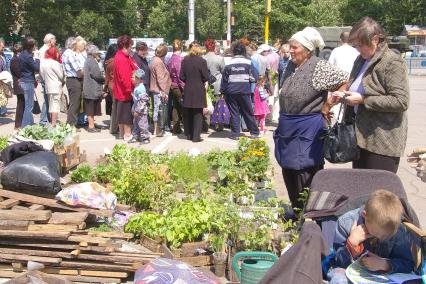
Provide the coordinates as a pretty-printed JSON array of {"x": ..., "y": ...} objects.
[
  {"x": 173, "y": 89},
  {"x": 251, "y": 84}
]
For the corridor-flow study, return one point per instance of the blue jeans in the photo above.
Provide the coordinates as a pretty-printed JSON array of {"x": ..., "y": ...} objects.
[
  {"x": 28, "y": 88},
  {"x": 3, "y": 110},
  {"x": 44, "y": 115}
]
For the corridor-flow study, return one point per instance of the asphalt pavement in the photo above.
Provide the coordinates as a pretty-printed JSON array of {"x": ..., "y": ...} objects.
[{"x": 96, "y": 144}]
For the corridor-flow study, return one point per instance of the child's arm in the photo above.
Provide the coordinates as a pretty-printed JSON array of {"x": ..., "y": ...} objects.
[
  {"x": 401, "y": 259},
  {"x": 348, "y": 241}
]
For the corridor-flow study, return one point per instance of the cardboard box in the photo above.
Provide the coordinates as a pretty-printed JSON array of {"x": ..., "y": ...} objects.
[{"x": 68, "y": 156}]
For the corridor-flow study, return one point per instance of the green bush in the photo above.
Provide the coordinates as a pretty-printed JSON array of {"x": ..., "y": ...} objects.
[
  {"x": 187, "y": 169},
  {"x": 83, "y": 173},
  {"x": 3, "y": 142}
]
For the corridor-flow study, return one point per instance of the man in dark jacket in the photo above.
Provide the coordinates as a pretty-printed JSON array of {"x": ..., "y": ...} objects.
[
  {"x": 236, "y": 79},
  {"x": 139, "y": 57}
]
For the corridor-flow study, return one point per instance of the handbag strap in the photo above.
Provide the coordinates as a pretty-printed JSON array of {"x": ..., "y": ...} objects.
[{"x": 342, "y": 104}]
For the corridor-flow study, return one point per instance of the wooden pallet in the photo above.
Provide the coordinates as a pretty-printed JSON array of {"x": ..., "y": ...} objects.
[{"x": 37, "y": 229}]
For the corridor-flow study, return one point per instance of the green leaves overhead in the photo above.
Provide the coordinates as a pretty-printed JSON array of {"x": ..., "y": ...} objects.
[{"x": 101, "y": 19}]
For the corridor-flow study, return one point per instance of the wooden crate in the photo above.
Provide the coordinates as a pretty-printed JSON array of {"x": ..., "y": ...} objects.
[
  {"x": 152, "y": 245},
  {"x": 68, "y": 156},
  {"x": 186, "y": 254}
]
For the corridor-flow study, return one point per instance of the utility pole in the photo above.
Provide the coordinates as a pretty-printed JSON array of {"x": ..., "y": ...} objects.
[
  {"x": 268, "y": 6},
  {"x": 228, "y": 18},
  {"x": 191, "y": 20}
]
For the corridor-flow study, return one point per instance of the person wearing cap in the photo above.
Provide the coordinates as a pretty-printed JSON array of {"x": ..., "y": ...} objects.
[
  {"x": 140, "y": 109},
  {"x": 54, "y": 78},
  {"x": 93, "y": 81},
  {"x": 303, "y": 100},
  {"x": 49, "y": 41}
]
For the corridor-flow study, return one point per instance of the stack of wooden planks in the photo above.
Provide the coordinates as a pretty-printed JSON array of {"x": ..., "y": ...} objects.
[
  {"x": 417, "y": 160},
  {"x": 45, "y": 231}
]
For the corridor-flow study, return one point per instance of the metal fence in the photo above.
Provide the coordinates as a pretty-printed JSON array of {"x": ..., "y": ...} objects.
[{"x": 416, "y": 65}]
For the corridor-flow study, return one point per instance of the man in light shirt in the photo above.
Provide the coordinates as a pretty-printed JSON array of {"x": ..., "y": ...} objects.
[
  {"x": 49, "y": 41},
  {"x": 343, "y": 57}
]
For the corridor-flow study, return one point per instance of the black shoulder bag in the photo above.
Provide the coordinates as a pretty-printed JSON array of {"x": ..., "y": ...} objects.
[{"x": 340, "y": 140}]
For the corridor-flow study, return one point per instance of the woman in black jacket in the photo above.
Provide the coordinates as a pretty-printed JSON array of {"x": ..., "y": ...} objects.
[
  {"x": 17, "y": 90},
  {"x": 194, "y": 73}
]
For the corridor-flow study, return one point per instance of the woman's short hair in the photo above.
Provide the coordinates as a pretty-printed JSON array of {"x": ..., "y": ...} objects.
[
  {"x": 285, "y": 47},
  {"x": 177, "y": 45},
  {"x": 161, "y": 50},
  {"x": 48, "y": 38},
  {"x": 80, "y": 44},
  {"x": 52, "y": 52},
  {"x": 17, "y": 47},
  {"x": 70, "y": 42},
  {"x": 210, "y": 45},
  {"x": 92, "y": 49},
  {"x": 28, "y": 44},
  {"x": 364, "y": 31},
  {"x": 124, "y": 41},
  {"x": 195, "y": 50},
  {"x": 244, "y": 41},
  {"x": 111, "y": 51},
  {"x": 239, "y": 49},
  {"x": 141, "y": 46}
]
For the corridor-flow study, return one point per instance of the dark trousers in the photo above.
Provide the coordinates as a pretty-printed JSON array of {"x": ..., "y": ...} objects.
[
  {"x": 296, "y": 181},
  {"x": 193, "y": 123},
  {"x": 241, "y": 104},
  {"x": 369, "y": 160},
  {"x": 113, "y": 124},
  {"x": 20, "y": 105},
  {"x": 75, "y": 88},
  {"x": 177, "y": 113}
]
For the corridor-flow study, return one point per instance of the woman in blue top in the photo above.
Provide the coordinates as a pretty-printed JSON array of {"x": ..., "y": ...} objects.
[{"x": 28, "y": 66}]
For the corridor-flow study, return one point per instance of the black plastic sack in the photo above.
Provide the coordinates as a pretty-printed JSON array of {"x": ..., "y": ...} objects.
[
  {"x": 15, "y": 151},
  {"x": 35, "y": 173}
]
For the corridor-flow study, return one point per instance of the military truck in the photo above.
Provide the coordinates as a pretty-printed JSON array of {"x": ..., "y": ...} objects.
[
  {"x": 331, "y": 37},
  {"x": 400, "y": 43}
]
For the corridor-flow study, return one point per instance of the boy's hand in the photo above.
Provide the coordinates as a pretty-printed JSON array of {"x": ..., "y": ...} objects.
[
  {"x": 358, "y": 234},
  {"x": 375, "y": 263}
]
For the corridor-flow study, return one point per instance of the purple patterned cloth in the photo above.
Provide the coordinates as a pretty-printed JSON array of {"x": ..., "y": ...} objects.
[
  {"x": 221, "y": 115},
  {"x": 168, "y": 271}
]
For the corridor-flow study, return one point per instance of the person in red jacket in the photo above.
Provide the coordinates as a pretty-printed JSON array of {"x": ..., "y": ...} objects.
[{"x": 123, "y": 86}]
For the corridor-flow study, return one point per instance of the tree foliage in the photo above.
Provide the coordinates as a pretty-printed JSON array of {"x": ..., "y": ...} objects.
[{"x": 101, "y": 19}]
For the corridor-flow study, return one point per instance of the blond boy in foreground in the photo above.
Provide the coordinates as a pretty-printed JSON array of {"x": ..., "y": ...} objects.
[{"x": 375, "y": 234}]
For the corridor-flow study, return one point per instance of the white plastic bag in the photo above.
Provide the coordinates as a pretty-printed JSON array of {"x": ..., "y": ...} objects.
[{"x": 89, "y": 194}]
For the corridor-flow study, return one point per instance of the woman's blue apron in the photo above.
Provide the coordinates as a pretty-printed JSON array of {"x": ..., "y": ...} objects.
[{"x": 298, "y": 143}]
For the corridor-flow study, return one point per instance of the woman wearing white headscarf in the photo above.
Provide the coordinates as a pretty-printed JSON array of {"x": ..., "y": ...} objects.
[{"x": 303, "y": 102}]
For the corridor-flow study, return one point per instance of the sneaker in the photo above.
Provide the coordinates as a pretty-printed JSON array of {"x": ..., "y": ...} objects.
[
  {"x": 145, "y": 141},
  {"x": 128, "y": 138},
  {"x": 133, "y": 140},
  {"x": 234, "y": 138},
  {"x": 93, "y": 130}
]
